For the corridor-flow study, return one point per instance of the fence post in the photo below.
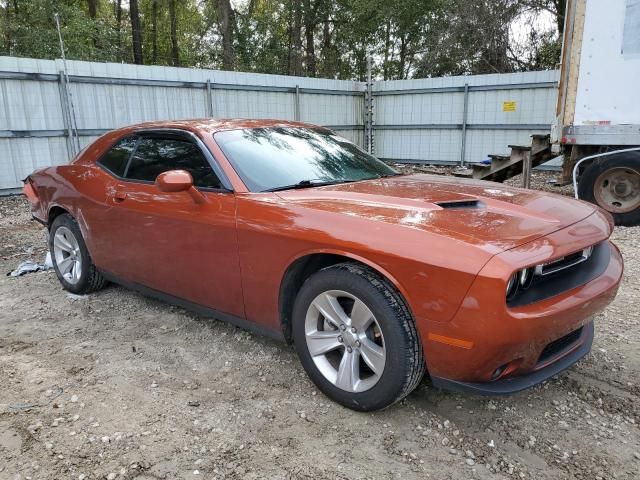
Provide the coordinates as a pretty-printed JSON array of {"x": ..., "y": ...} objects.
[
  {"x": 209, "y": 99},
  {"x": 365, "y": 120},
  {"x": 526, "y": 169},
  {"x": 296, "y": 112},
  {"x": 465, "y": 108},
  {"x": 64, "y": 104},
  {"x": 368, "y": 110}
]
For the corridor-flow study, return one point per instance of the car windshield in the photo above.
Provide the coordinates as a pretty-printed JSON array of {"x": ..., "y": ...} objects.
[{"x": 278, "y": 158}]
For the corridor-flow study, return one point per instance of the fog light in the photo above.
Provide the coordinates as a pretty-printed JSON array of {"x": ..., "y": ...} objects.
[
  {"x": 497, "y": 372},
  {"x": 506, "y": 369}
]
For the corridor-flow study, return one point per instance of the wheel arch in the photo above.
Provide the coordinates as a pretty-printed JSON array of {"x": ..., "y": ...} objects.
[
  {"x": 54, "y": 212},
  {"x": 304, "y": 265},
  {"x": 601, "y": 153}
]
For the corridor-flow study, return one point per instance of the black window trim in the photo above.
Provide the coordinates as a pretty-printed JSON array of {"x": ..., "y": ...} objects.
[
  {"x": 184, "y": 134},
  {"x": 111, "y": 147}
]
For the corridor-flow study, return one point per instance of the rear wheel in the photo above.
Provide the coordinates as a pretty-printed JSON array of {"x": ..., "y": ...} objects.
[
  {"x": 71, "y": 259},
  {"x": 356, "y": 338},
  {"x": 614, "y": 184}
]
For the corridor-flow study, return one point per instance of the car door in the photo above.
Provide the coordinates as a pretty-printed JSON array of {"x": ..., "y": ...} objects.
[{"x": 167, "y": 241}]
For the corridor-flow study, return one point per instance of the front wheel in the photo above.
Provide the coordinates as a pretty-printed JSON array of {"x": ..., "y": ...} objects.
[
  {"x": 356, "y": 338},
  {"x": 613, "y": 183}
]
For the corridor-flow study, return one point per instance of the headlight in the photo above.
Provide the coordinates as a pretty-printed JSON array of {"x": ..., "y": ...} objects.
[
  {"x": 525, "y": 277},
  {"x": 512, "y": 285},
  {"x": 520, "y": 280}
]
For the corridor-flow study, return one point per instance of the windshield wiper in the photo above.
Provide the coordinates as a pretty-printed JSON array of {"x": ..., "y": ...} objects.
[{"x": 307, "y": 184}]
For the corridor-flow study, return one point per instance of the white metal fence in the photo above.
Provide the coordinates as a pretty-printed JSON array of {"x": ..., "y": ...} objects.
[
  {"x": 455, "y": 119},
  {"x": 47, "y": 117}
]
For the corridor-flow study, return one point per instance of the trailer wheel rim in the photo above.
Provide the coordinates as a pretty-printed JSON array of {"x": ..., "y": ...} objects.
[{"x": 617, "y": 190}]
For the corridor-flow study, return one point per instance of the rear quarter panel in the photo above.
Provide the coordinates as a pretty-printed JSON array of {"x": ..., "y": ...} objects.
[{"x": 79, "y": 188}]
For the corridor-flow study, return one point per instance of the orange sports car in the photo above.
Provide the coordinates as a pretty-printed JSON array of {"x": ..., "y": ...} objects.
[{"x": 375, "y": 277}]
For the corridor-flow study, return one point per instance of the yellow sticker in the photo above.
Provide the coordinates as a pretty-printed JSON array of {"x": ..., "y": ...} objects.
[{"x": 509, "y": 106}]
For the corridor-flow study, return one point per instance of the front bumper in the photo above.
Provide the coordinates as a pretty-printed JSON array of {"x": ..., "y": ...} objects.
[
  {"x": 496, "y": 348},
  {"x": 509, "y": 385}
]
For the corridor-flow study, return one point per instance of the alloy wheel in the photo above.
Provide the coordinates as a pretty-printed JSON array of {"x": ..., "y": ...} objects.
[
  {"x": 345, "y": 341},
  {"x": 67, "y": 254}
]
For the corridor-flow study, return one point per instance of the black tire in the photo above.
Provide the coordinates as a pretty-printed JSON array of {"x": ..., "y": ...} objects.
[
  {"x": 404, "y": 366},
  {"x": 90, "y": 278},
  {"x": 589, "y": 178}
]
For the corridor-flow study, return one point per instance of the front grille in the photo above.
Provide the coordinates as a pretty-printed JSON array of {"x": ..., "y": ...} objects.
[
  {"x": 560, "y": 345},
  {"x": 565, "y": 262},
  {"x": 565, "y": 274}
]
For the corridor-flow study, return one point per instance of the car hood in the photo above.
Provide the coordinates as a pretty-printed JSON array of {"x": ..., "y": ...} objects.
[{"x": 490, "y": 215}]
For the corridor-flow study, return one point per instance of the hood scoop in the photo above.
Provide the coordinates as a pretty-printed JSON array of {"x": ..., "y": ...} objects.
[{"x": 461, "y": 204}]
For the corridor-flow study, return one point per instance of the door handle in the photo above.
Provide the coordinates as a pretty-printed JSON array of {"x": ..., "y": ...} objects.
[{"x": 119, "y": 196}]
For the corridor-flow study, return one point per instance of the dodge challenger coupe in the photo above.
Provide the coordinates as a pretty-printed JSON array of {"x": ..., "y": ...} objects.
[{"x": 376, "y": 277}]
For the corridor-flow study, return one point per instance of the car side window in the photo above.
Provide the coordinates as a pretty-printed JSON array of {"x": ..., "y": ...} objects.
[
  {"x": 117, "y": 157},
  {"x": 156, "y": 155}
]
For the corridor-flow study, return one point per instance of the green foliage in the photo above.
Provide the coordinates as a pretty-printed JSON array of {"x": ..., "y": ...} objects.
[
  {"x": 327, "y": 38},
  {"x": 190, "y": 28},
  {"x": 29, "y": 30}
]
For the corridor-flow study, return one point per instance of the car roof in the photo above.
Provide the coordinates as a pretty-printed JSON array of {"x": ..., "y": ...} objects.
[{"x": 214, "y": 125}]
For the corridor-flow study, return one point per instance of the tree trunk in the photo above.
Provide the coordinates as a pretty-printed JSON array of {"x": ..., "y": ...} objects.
[
  {"x": 289, "y": 44},
  {"x": 309, "y": 35},
  {"x": 311, "y": 51},
  {"x": 154, "y": 32},
  {"x": 403, "y": 57},
  {"x": 387, "y": 44},
  {"x": 226, "y": 21},
  {"x": 295, "y": 61},
  {"x": 7, "y": 32},
  {"x": 561, "y": 11},
  {"x": 118, "y": 6},
  {"x": 175, "y": 54},
  {"x": 136, "y": 32},
  {"x": 93, "y": 10},
  {"x": 328, "y": 68}
]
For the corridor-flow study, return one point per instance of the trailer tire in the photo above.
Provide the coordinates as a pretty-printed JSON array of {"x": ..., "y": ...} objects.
[{"x": 613, "y": 183}]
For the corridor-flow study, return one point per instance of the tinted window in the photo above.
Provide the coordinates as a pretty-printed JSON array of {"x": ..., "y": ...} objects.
[
  {"x": 115, "y": 160},
  {"x": 271, "y": 158},
  {"x": 156, "y": 155}
]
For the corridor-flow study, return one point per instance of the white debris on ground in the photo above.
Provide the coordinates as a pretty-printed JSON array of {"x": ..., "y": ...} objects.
[
  {"x": 29, "y": 266},
  {"x": 120, "y": 386}
]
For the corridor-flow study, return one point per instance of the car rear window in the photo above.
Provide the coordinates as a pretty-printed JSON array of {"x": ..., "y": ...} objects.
[
  {"x": 156, "y": 155},
  {"x": 115, "y": 160}
]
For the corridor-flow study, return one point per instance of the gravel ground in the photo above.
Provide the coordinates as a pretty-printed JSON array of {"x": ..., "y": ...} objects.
[{"x": 114, "y": 385}]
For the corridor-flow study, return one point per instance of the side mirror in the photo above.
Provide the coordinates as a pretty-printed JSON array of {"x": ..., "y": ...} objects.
[
  {"x": 174, "y": 181},
  {"x": 179, "y": 181}
]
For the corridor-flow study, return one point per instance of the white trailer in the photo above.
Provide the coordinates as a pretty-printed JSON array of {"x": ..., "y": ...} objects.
[{"x": 598, "y": 110}]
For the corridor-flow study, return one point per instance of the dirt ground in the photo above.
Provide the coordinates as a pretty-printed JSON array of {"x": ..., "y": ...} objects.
[{"x": 114, "y": 385}]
